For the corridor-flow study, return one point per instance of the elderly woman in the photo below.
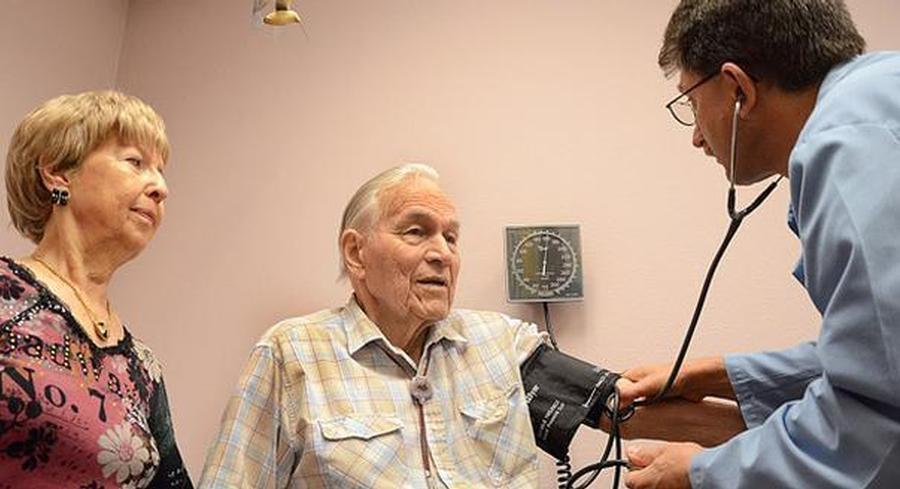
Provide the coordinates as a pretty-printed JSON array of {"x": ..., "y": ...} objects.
[{"x": 82, "y": 402}]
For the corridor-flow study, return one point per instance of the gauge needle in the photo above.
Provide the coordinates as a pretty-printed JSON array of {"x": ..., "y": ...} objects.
[{"x": 544, "y": 265}]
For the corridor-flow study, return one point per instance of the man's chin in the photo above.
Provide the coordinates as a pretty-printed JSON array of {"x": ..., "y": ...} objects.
[
  {"x": 434, "y": 312},
  {"x": 744, "y": 180},
  {"x": 438, "y": 315}
]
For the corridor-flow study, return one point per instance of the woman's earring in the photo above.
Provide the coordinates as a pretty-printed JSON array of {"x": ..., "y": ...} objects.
[{"x": 59, "y": 196}]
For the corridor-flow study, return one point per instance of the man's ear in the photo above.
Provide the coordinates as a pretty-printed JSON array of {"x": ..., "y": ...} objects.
[
  {"x": 352, "y": 244},
  {"x": 744, "y": 86},
  {"x": 52, "y": 178}
]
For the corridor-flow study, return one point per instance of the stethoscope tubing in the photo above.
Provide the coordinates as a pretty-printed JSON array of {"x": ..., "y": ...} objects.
[{"x": 616, "y": 417}]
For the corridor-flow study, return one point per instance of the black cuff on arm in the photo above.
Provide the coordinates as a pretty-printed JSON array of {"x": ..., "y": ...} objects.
[{"x": 562, "y": 392}]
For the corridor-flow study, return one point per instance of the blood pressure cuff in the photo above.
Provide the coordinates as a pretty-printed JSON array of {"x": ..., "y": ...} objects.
[{"x": 562, "y": 392}]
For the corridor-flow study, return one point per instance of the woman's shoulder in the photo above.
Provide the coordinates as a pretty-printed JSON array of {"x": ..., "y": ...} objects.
[
  {"x": 17, "y": 288},
  {"x": 148, "y": 360}
]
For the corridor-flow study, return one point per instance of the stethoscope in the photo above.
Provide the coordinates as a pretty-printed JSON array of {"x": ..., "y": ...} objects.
[
  {"x": 612, "y": 406},
  {"x": 737, "y": 217}
]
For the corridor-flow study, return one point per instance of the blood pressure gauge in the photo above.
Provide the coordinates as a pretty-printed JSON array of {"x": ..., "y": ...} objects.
[{"x": 543, "y": 264}]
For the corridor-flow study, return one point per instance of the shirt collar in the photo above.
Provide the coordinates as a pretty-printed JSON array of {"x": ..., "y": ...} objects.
[
  {"x": 449, "y": 329},
  {"x": 361, "y": 330},
  {"x": 792, "y": 220},
  {"x": 799, "y": 270}
]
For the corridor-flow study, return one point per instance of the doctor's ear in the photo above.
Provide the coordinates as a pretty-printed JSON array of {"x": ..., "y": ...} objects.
[{"x": 744, "y": 86}]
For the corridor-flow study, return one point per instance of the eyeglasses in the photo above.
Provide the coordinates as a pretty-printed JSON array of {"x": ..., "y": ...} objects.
[{"x": 681, "y": 107}]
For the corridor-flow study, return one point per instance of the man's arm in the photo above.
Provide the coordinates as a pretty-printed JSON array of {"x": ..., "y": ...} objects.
[
  {"x": 251, "y": 450},
  {"x": 764, "y": 381},
  {"x": 697, "y": 379},
  {"x": 759, "y": 382},
  {"x": 707, "y": 422},
  {"x": 562, "y": 392}
]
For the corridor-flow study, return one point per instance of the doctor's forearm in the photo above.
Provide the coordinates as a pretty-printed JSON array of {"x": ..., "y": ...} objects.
[{"x": 706, "y": 377}]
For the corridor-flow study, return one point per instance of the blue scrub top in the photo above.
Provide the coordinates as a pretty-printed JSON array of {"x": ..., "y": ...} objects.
[{"x": 826, "y": 414}]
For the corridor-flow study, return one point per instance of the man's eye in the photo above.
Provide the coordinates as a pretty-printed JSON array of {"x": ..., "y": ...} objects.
[
  {"x": 451, "y": 238},
  {"x": 414, "y": 232},
  {"x": 134, "y": 161}
]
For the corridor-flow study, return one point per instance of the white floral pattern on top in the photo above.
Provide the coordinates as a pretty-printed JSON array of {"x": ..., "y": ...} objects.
[
  {"x": 154, "y": 465},
  {"x": 151, "y": 364},
  {"x": 124, "y": 454}
]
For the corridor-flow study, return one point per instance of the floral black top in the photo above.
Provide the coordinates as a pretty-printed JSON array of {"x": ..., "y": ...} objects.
[{"x": 72, "y": 414}]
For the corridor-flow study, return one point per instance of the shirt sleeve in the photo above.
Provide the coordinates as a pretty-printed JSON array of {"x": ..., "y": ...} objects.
[
  {"x": 171, "y": 472},
  {"x": 252, "y": 449},
  {"x": 527, "y": 337},
  {"x": 562, "y": 391},
  {"x": 845, "y": 430},
  {"x": 764, "y": 381}
]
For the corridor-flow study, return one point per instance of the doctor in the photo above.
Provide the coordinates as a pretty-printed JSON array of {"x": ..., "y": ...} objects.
[{"x": 810, "y": 107}]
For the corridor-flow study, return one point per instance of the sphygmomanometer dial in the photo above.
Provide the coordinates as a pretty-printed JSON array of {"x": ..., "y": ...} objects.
[{"x": 543, "y": 264}]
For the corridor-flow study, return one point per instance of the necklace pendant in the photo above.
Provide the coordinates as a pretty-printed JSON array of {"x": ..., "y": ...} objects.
[{"x": 100, "y": 329}]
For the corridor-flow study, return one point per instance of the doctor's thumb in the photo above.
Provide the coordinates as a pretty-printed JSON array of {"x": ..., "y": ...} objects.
[{"x": 641, "y": 455}]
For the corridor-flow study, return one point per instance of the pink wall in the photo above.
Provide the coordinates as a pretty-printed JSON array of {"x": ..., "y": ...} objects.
[
  {"x": 48, "y": 48},
  {"x": 533, "y": 111}
]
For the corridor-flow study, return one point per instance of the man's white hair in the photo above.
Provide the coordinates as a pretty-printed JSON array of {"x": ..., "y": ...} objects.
[{"x": 365, "y": 204}]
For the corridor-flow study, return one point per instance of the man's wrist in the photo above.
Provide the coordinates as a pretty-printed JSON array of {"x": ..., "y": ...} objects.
[{"x": 706, "y": 377}]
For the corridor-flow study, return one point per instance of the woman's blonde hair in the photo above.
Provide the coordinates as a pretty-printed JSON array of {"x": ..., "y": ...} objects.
[{"x": 59, "y": 134}]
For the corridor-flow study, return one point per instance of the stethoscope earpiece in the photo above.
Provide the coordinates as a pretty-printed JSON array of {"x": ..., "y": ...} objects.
[
  {"x": 734, "y": 127},
  {"x": 738, "y": 215}
]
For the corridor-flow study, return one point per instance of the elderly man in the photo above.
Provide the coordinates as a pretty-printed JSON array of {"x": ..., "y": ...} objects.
[
  {"x": 396, "y": 388},
  {"x": 789, "y": 77}
]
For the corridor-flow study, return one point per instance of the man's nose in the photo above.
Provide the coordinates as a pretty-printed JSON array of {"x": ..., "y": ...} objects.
[
  {"x": 697, "y": 137},
  {"x": 439, "y": 250}
]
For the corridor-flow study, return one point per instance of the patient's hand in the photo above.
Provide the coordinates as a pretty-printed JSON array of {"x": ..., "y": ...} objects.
[{"x": 709, "y": 422}]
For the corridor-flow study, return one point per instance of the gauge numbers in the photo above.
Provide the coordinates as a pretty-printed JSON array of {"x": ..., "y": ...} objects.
[{"x": 543, "y": 264}]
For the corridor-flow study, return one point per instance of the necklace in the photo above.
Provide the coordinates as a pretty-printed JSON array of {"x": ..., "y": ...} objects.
[{"x": 100, "y": 328}]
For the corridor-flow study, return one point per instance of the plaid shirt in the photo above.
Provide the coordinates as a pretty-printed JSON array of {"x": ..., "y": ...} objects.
[{"x": 326, "y": 401}]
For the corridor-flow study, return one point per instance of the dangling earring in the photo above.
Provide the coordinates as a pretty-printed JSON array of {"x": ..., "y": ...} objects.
[{"x": 59, "y": 196}]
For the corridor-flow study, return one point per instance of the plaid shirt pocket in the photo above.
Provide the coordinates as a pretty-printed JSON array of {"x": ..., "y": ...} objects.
[
  {"x": 362, "y": 450},
  {"x": 497, "y": 434}
]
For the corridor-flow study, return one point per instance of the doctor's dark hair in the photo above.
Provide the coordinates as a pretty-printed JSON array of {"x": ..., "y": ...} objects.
[{"x": 792, "y": 43}]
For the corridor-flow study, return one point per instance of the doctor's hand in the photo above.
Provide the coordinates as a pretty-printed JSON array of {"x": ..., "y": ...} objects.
[
  {"x": 660, "y": 465},
  {"x": 621, "y": 384},
  {"x": 697, "y": 379}
]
